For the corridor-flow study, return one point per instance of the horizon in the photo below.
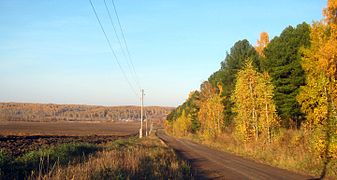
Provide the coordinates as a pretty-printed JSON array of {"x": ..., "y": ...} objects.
[
  {"x": 49, "y": 57},
  {"x": 97, "y": 105}
]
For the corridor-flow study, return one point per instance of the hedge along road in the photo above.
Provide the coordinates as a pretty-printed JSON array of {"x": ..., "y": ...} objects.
[{"x": 212, "y": 164}]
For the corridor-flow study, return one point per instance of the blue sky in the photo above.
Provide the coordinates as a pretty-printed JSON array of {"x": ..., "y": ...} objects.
[{"x": 54, "y": 51}]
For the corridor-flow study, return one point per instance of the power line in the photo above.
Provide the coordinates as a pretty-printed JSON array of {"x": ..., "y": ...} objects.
[
  {"x": 113, "y": 52},
  {"x": 120, "y": 44},
  {"x": 125, "y": 43}
]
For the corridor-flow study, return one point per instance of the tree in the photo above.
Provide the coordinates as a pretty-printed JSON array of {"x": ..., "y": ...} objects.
[
  {"x": 282, "y": 62},
  {"x": 189, "y": 107},
  {"x": 211, "y": 113},
  {"x": 182, "y": 125},
  {"x": 254, "y": 106},
  {"x": 234, "y": 61},
  {"x": 269, "y": 119},
  {"x": 193, "y": 110},
  {"x": 262, "y": 43},
  {"x": 319, "y": 96}
]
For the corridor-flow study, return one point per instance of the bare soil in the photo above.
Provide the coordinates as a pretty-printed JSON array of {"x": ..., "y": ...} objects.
[
  {"x": 68, "y": 128},
  {"x": 18, "y": 145},
  {"x": 17, "y": 138}
]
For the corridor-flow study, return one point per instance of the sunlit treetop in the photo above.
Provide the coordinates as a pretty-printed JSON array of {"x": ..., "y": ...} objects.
[
  {"x": 330, "y": 17},
  {"x": 323, "y": 51},
  {"x": 330, "y": 12},
  {"x": 262, "y": 43}
]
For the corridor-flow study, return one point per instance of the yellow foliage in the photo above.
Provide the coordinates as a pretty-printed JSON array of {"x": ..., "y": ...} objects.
[
  {"x": 168, "y": 126},
  {"x": 262, "y": 43},
  {"x": 182, "y": 125},
  {"x": 211, "y": 116},
  {"x": 220, "y": 87},
  {"x": 330, "y": 12},
  {"x": 254, "y": 106},
  {"x": 207, "y": 90},
  {"x": 319, "y": 97},
  {"x": 211, "y": 112}
]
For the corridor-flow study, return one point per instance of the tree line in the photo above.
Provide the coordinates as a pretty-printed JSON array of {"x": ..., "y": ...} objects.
[
  {"x": 288, "y": 82},
  {"x": 59, "y": 112}
]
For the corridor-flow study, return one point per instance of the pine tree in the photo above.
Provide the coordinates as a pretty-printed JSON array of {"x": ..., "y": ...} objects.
[
  {"x": 234, "y": 61},
  {"x": 282, "y": 62}
]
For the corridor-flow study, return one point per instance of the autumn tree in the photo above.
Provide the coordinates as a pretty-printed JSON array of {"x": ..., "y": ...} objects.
[
  {"x": 189, "y": 107},
  {"x": 262, "y": 43},
  {"x": 319, "y": 96},
  {"x": 254, "y": 106},
  {"x": 182, "y": 125},
  {"x": 211, "y": 113},
  {"x": 268, "y": 119}
]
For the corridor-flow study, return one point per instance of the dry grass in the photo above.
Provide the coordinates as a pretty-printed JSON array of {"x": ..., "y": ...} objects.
[
  {"x": 289, "y": 150},
  {"x": 147, "y": 158}
]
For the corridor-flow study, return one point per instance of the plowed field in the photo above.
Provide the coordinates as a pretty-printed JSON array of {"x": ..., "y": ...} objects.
[{"x": 17, "y": 138}]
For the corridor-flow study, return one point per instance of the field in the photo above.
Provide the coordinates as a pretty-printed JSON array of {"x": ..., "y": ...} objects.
[
  {"x": 63, "y": 150},
  {"x": 20, "y": 137},
  {"x": 69, "y": 128}
]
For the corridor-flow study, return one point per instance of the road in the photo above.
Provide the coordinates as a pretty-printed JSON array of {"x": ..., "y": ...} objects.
[{"x": 213, "y": 164}]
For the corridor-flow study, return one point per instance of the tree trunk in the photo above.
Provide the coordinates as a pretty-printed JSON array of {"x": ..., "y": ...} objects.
[
  {"x": 267, "y": 118},
  {"x": 253, "y": 110}
]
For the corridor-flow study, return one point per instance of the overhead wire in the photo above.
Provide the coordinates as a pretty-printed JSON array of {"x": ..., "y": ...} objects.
[
  {"x": 125, "y": 43},
  {"x": 130, "y": 66},
  {"x": 111, "y": 49}
]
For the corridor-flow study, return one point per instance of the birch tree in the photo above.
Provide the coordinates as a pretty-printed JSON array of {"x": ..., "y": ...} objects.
[
  {"x": 253, "y": 105},
  {"x": 211, "y": 113},
  {"x": 319, "y": 96}
]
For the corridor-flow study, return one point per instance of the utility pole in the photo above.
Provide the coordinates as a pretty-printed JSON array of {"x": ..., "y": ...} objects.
[{"x": 141, "y": 114}]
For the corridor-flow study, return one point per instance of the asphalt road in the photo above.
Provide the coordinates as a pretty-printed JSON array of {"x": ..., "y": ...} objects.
[{"x": 212, "y": 164}]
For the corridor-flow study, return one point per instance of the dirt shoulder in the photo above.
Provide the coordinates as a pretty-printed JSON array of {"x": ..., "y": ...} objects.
[{"x": 214, "y": 164}]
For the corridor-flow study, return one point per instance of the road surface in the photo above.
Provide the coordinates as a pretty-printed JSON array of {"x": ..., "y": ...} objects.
[{"x": 212, "y": 164}]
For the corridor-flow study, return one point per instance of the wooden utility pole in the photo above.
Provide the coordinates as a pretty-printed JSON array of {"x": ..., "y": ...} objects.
[{"x": 141, "y": 114}]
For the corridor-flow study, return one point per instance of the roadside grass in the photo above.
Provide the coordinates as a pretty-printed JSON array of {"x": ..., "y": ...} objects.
[
  {"x": 132, "y": 158},
  {"x": 289, "y": 150},
  {"x": 146, "y": 158},
  {"x": 4, "y": 161},
  {"x": 46, "y": 159}
]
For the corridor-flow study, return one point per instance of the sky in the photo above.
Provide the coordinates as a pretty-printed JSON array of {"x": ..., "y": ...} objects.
[{"x": 55, "y": 52}]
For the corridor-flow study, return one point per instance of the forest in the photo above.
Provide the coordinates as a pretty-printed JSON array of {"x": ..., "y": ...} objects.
[
  {"x": 59, "y": 112},
  {"x": 274, "y": 101}
]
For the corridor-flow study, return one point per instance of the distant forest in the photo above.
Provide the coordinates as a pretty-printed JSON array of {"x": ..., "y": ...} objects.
[{"x": 56, "y": 112}]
